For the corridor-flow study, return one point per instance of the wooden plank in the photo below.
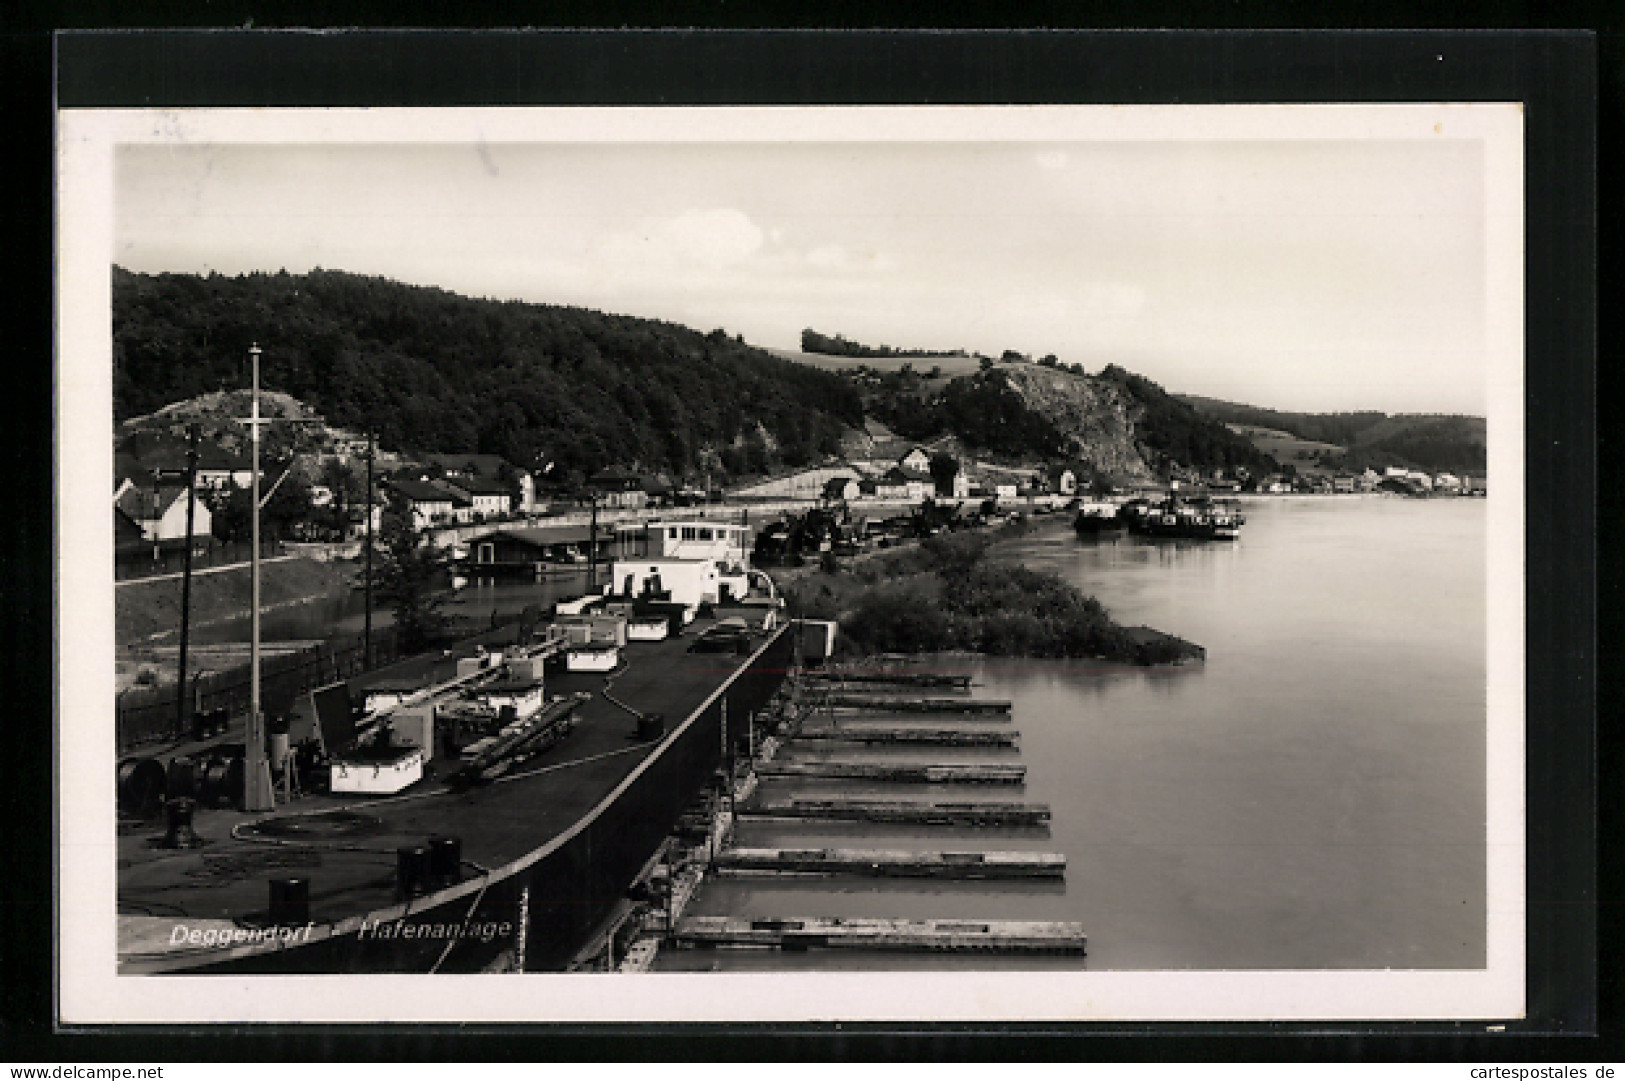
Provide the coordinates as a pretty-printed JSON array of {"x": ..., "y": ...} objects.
[
  {"x": 901, "y": 773},
  {"x": 951, "y": 936},
  {"x": 918, "y": 812},
  {"x": 889, "y": 863},
  {"x": 883, "y": 713},
  {"x": 942, "y": 737}
]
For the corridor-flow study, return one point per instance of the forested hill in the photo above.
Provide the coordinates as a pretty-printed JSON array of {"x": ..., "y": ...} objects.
[
  {"x": 1421, "y": 440},
  {"x": 433, "y": 371}
]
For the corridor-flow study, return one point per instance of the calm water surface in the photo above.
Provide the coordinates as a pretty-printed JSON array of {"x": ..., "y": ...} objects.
[{"x": 1312, "y": 797}]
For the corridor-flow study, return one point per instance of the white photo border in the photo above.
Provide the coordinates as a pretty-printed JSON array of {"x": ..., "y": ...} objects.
[{"x": 89, "y": 989}]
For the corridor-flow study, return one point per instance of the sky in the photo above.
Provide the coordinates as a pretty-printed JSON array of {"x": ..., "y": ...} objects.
[{"x": 1316, "y": 275}]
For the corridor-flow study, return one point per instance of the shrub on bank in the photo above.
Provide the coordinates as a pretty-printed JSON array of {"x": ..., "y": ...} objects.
[{"x": 945, "y": 595}]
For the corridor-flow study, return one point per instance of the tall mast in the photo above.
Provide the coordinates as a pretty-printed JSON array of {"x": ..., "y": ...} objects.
[
  {"x": 257, "y": 774},
  {"x": 366, "y": 634},
  {"x": 186, "y": 579},
  {"x": 592, "y": 546}
]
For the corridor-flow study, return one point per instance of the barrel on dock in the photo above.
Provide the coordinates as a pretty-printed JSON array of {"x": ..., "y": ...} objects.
[
  {"x": 290, "y": 901},
  {"x": 412, "y": 870}
]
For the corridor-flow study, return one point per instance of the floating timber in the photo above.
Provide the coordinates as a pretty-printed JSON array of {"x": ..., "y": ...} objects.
[
  {"x": 912, "y": 812},
  {"x": 902, "y": 773},
  {"x": 942, "y": 737},
  {"x": 919, "y": 705},
  {"x": 904, "y": 679},
  {"x": 944, "y": 936},
  {"x": 888, "y": 863}
]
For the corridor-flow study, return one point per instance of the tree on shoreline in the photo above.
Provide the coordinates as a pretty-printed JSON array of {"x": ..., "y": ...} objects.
[{"x": 407, "y": 575}]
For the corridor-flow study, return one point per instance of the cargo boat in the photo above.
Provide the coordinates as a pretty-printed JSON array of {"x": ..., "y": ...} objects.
[
  {"x": 1195, "y": 519},
  {"x": 1097, "y": 518},
  {"x": 457, "y": 871}
]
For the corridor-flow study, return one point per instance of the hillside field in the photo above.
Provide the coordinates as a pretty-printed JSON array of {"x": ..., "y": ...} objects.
[{"x": 1287, "y": 448}]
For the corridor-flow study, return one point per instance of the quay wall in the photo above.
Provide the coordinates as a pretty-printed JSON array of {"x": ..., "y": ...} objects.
[
  {"x": 576, "y": 884},
  {"x": 559, "y": 893}
]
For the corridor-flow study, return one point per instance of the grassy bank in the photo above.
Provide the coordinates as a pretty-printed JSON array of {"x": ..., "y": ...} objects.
[
  {"x": 948, "y": 594},
  {"x": 144, "y": 609}
]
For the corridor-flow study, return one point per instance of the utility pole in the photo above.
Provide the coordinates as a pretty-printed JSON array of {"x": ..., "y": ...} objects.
[
  {"x": 592, "y": 547},
  {"x": 366, "y": 633},
  {"x": 186, "y": 579},
  {"x": 257, "y": 774}
]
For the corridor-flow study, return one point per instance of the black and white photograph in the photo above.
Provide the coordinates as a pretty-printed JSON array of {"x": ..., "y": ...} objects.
[{"x": 934, "y": 563}]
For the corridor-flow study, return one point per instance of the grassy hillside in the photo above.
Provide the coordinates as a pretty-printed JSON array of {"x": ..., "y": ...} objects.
[
  {"x": 1305, "y": 455},
  {"x": 433, "y": 371}
]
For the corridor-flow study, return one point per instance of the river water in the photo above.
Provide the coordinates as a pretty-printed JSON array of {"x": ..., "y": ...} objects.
[{"x": 1311, "y": 797}]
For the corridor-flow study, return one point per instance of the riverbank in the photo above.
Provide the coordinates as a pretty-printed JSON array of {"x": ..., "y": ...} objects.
[
  {"x": 147, "y": 614},
  {"x": 951, "y": 592}
]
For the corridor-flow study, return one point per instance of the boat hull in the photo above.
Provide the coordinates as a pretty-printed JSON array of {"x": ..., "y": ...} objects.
[{"x": 1186, "y": 524}]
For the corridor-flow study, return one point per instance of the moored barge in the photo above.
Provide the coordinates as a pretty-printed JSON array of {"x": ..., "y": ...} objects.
[{"x": 1193, "y": 519}]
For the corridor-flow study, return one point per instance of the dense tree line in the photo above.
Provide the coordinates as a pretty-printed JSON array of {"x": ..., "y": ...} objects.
[
  {"x": 429, "y": 370},
  {"x": 837, "y": 346},
  {"x": 1452, "y": 444},
  {"x": 1418, "y": 441},
  {"x": 1339, "y": 428}
]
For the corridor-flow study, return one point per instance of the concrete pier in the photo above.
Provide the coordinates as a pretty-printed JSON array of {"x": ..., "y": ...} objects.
[
  {"x": 904, "y": 679},
  {"x": 950, "y": 936},
  {"x": 889, "y": 863},
  {"x": 890, "y": 713},
  {"x": 911, "y": 812},
  {"x": 940, "y": 737},
  {"x": 901, "y": 773}
]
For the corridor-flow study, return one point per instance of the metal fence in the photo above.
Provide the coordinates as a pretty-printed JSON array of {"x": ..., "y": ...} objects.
[{"x": 148, "y": 715}]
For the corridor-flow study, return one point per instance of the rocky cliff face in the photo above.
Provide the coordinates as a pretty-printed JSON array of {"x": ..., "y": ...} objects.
[{"x": 1097, "y": 417}]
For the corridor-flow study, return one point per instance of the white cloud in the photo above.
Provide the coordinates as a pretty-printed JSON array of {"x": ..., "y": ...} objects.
[
  {"x": 708, "y": 239},
  {"x": 836, "y": 257}
]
